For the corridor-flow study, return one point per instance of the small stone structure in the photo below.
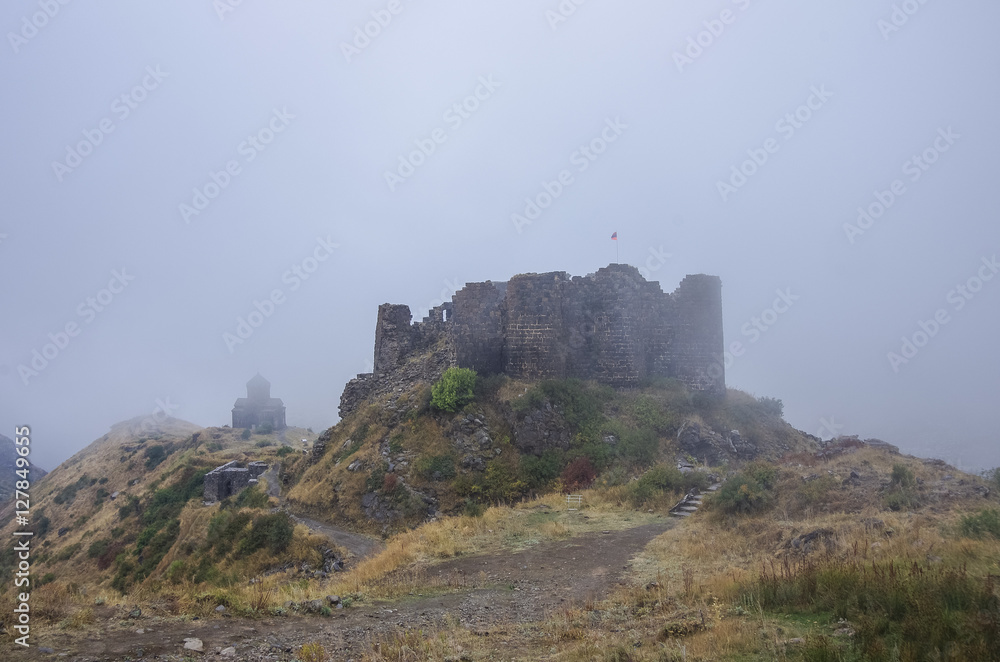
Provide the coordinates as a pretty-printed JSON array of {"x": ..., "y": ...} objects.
[
  {"x": 612, "y": 326},
  {"x": 230, "y": 479},
  {"x": 259, "y": 408}
]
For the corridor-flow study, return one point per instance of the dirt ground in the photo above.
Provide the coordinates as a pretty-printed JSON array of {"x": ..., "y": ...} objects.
[{"x": 484, "y": 594}]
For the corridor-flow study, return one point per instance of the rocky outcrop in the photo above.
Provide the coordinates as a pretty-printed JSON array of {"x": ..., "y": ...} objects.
[
  {"x": 707, "y": 445},
  {"x": 541, "y": 430}
]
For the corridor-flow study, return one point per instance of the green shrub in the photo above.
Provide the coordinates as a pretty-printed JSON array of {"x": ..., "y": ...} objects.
[
  {"x": 68, "y": 494},
  {"x": 68, "y": 552},
  {"x": 175, "y": 573},
  {"x": 749, "y": 491},
  {"x": 658, "y": 481},
  {"x": 903, "y": 476},
  {"x": 245, "y": 434},
  {"x": 983, "y": 524},
  {"x": 471, "y": 508},
  {"x": 641, "y": 447},
  {"x": 285, "y": 450},
  {"x": 97, "y": 548},
  {"x": 581, "y": 403},
  {"x": 224, "y": 528},
  {"x": 454, "y": 390},
  {"x": 436, "y": 467},
  {"x": 265, "y": 428},
  {"x": 501, "y": 484},
  {"x": 252, "y": 497},
  {"x": 273, "y": 532},
  {"x": 155, "y": 455},
  {"x": 902, "y": 494},
  {"x": 537, "y": 472},
  {"x": 771, "y": 406},
  {"x": 649, "y": 414},
  {"x": 264, "y": 443}
]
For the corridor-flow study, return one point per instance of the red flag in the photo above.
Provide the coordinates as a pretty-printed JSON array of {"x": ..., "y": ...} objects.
[{"x": 615, "y": 236}]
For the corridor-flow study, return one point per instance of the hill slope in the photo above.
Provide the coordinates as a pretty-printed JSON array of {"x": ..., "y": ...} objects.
[{"x": 397, "y": 461}]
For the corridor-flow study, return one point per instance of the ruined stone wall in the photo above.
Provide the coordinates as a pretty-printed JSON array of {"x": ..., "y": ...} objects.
[
  {"x": 533, "y": 329},
  {"x": 225, "y": 481},
  {"x": 696, "y": 354},
  {"x": 477, "y": 326},
  {"x": 612, "y": 326}
]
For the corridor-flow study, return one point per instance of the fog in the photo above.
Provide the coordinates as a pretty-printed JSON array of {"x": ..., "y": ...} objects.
[{"x": 167, "y": 167}]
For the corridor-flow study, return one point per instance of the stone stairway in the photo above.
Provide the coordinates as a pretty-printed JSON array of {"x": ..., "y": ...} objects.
[{"x": 689, "y": 505}]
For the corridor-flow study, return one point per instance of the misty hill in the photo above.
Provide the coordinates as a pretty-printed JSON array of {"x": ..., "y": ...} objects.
[
  {"x": 129, "y": 506},
  {"x": 8, "y": 464}
]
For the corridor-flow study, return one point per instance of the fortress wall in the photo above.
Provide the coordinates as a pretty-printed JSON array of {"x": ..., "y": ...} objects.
[
  {"x": 394, "y": 336},
  {"x": 623, "y": 324},
  {"x": 476, "y": 327},
  {"x": 612, "y": 326},
  {"x": 698, "y": 342},
  {"x": 533, "y": 326}
]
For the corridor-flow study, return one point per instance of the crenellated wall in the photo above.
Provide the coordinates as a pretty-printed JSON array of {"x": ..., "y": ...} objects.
[{"x": 612, "y": 326}]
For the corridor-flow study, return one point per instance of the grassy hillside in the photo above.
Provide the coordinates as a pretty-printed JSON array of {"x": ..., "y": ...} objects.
[
  {"x": 387, "y": 469},
  {"x": 827, "y": 566},
  {"x": 125, "y": 517}
]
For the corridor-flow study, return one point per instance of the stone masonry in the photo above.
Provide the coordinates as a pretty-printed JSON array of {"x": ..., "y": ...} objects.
[
  {"x": 231, "y": 479},
  {"x": 612, "y": 326}
]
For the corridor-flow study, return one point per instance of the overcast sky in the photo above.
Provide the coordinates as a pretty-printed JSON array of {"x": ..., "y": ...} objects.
[{"x": 168, "y": 167}]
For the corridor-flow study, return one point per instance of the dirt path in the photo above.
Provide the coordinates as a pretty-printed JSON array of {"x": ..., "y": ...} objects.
[
  {"x": 492, "y": 592},
  {"x": 358, "y": 545}
]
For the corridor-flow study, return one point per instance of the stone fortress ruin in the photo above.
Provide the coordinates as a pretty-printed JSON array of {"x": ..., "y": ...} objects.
[
  {"x": 231, "y": 479},
  {"x": 612, "y": 326}
]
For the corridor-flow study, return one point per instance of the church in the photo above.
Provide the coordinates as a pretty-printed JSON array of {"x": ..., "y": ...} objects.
[{"x": 259, "y": 408}]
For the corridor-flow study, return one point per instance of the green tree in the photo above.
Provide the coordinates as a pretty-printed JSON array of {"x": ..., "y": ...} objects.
[{"x": 454, "y": 390}]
